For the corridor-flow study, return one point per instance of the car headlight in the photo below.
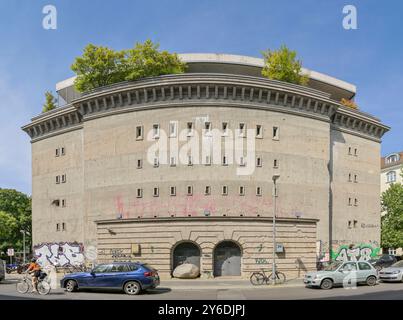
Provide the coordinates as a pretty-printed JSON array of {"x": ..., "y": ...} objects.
[{"x": 396, "y": 272}]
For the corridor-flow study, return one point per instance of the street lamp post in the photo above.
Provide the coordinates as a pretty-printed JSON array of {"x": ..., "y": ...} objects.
[
  {"x": 23, "y": 240},
  {"x": 275, "y": 177}
]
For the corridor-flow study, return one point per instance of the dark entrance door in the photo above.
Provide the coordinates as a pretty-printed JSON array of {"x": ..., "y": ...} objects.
[
  {"x": 186, "y": 252},
  {"x": 227, "y": 259}
]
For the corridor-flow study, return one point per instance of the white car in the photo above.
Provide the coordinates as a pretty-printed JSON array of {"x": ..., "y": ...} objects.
[{"x": 392, "y": 273}]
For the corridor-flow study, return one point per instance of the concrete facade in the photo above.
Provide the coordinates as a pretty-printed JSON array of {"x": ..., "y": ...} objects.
[{"x": 327, "y": 157}]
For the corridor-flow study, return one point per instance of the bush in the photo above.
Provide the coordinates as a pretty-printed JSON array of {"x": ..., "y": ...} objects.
[{"x": 349, "y": 103}]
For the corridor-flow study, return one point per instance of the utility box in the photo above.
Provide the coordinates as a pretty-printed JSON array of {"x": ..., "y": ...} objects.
[
  {"x": 279, "y": 248},
  {"x": 135, "y": 248}
]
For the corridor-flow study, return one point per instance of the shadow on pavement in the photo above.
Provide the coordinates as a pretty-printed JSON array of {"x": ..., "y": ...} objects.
[{"x": 119, "y": 292}]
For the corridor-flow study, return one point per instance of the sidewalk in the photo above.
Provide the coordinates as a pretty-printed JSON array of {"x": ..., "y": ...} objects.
[{"x": 217, "y": 283}]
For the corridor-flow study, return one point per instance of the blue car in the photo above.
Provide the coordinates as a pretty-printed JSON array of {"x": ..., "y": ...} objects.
[{"x": 131, "y": 277}]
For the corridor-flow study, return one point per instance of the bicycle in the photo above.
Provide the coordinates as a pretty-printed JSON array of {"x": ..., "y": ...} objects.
[
  {"x": 25, "y": 284},
  {"x": 260, "y": 277}
]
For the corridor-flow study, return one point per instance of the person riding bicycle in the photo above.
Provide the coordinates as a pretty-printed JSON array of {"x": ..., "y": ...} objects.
[{"x": 35, "y": 270}]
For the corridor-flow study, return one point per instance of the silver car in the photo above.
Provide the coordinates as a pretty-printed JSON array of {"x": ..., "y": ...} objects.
[
  {"x": 392, "y": 273},
  {"x": 2, "y": 270},
  {"x": 342, "y": 273}
]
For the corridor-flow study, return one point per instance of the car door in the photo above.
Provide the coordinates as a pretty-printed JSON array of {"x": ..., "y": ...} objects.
[
  {"x": 364, "y": 270},
  {"x": 97, "y": 278},
  {"x": 114, "y": 278},
  {"x": 346, "y": 274}
]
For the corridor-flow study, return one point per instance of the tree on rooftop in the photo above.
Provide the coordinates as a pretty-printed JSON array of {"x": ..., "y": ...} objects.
[
  {"x": 282, "y": 65},
  {"x": 146, "y": 60},
  {"x": 349, "y": 103},
  {"x": 50, "y": 103},
  {"x": 97, "y": 67}
]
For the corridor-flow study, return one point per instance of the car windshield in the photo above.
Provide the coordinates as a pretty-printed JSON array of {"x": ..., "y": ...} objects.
[
  {"x": 398, "y": 264},
  {"x": 333, "y": 266}
]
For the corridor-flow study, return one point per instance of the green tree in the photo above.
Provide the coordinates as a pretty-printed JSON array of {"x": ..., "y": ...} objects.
[
  {"x": 15, "y": 215},
  {"x": 98, "y": 66},
  {"x": 146, "y": 60},
  {"x": 282, "y": 65},
  {"x": 50, "y": 103},
  {"x": 392, "y": 221}
]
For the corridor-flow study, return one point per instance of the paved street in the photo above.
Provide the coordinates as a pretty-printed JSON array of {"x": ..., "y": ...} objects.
[{"x": 218, "y": 290}]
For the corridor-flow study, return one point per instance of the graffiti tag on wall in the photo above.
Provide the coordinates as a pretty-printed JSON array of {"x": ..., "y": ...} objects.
[
  {"x": 60, "y": 253},
  {"x": 361, "y": 252}
]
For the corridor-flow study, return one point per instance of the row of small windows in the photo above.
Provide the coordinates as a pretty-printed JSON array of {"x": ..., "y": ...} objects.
[
  {"x": 208, "y": 127},
  {"x": 352, "y": 224},
  {"x": 392, "y": 158},
  {"x": 59, "y": 202},
  {"x": 207, "y": 191},
  {"x": 353, "y": 202},
  {"x": 60, "y": 226},
  {"x": 61, "y": 179},
  {"x": 60, "y": 152},
  {"x": 352, "y": 151},
  {"x": 391, "y": 176},
  {"x": 224, "y": 162},
  {"x": 352, "y": 177}
]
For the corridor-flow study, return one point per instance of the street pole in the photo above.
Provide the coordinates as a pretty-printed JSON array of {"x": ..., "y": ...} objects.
[
  {"x": 23, "y": 240},
  {"x": 275, "y": 177}
]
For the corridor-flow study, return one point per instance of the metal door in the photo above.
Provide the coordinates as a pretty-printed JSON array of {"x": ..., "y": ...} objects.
[
  {"x": 186, "y": 252},
  {"x": 227, "y": 259}
]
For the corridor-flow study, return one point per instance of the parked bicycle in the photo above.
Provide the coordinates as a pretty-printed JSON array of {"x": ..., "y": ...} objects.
[
  {"x": 260, "y": 277},
  {"x": 25, "y": 284}
]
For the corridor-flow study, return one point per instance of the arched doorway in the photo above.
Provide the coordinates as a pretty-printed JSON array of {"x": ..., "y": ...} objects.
[
  {"x": 186, "y": 252},
  {"x": 227, "y": 259}
]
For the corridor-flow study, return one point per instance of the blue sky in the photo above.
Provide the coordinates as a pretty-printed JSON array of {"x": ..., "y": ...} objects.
[{"x": 33, "y": 59}]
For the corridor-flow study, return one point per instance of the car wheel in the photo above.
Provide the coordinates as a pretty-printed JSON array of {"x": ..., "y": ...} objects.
[
  {"x": 371, "y": 281},
  {"x": 132, "y": 288},
  {"x": 71, "y": 286},
  {"x": 326, "y": 284}
]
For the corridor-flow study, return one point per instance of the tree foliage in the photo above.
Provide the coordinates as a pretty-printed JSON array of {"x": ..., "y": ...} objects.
[
  {"x": 282, "y": 65},
  {"x": 101, "y": 66},
  {"x": 15, "y": 215},
  {"x": 349, "y": 103},
  {"x": 392, "y": 221},
  {"x": 50, "y": 103}
]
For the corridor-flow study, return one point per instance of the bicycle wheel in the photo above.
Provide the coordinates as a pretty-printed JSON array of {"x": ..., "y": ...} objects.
[
  {"x": 279, "y": 278},
  {"x": 23, "y": 286},
  {"x": 43, "y": 288},
  {"x": 257, "y": 278}
]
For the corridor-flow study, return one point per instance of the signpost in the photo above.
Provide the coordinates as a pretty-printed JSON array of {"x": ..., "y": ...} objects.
[{"x": 10, "y": 253}]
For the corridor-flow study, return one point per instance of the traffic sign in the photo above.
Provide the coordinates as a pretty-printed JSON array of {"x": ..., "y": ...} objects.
[{"x": 10, "y": 252}]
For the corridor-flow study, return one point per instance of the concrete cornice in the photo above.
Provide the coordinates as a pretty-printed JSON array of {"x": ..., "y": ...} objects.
[
  {"x": 204, "y": 219},
  {"x": 222, "y": 90}
]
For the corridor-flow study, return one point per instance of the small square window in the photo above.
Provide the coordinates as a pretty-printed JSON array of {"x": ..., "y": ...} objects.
[
  {"x": 189, "y": 190},
  {"x": 56, "y": 202},
  {"x": 156, "y": 131},
  {"x": 139, "y": 193},
  {"x": 172, "y": 191},
  {"x": 241, "y": 190},
  {"x": 258, "y": 162},
  {"x": 64, "y": 178},
  {"x": 224, "y": 190},
  {"x": 139, "y": 163},
  {"x": 173, "y": 162},
  {"x": 259, "y": 131},
  {"x": 276, "y": 133},
  {"x": 156, "y": 192},
  {"x": 63, "y": 151},
  {"x": 207, "y": 190},
  {"x": 258, "y": 191},
  {"x": 57, "y": 179},
  {"x": 139, "y": 132},
  {"x": 156, "y": 162},
  {"x": 57, "y": 152},
  {"x": 275, "y": 163}
]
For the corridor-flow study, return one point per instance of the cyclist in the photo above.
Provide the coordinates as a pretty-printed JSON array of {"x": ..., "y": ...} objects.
[{"x": 35, "y": 270}]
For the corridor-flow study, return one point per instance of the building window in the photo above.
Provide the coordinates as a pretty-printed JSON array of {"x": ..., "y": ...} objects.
[
  {"x": 349, "y": 201},
  {"x": 63, "y": 151},
  {"x": 276, "y": 133},
  {"x": 207, "y": 190},
  {"x": 64, "y": 178},
  {"x": 156, "y": 131},
  {"x": 225, "y": 128},
  {"x": 224, "y": 161},
  {"x": 259, "y": 162},
  {"x": 173, "y": 129},
  {"x": 355, "y": 178},
  {"x": 57, "y": 226},
  {"x": 242, "y": 129},
  {"x": 349, "y": 177},
  {"x": 224, "y": 190},
  {"x": 173, "y": 162},
  {"x": 355, "y": 223},
  {"x": 156, "y": 162},
  {"x": 258, "y": 191},
  {"x": 139, "y": 163},
  {"x": 139, "y": 133},
  {"x": 156, "y": 192},
  {"x": 208, "y": 161},
  {"x": 57, "y": 152},
  {"x": 63, "y": 226},
  {"x": 189, "y": 190},
  {"x": 349, "y": 150},
  {"x": 392, "y": 251},
  {"x": 391, "y": 176},
  {"x": 392, "y": 158},
  {"x": 139, "y": 193},
  {"x": 56, "y": 202},
  {"x": 242, "y": 161},
  {"x": 349, "y": 224},
  {"x": 172, "y": 191},
  {"x": 241, "y": 190},
  {"x": 355, "y": 202},
  {"x": 190, "y": 161},
  {"x": 57, "y": 179},
  {"x": 63, "y": 203},
  {"x": 275, "y": 163},
  {"x": 259, "y": 131},
  {"x": 190, "y": 128},
  {"x": 207, "y": 128},
  {"x": 355, "y": 152}
]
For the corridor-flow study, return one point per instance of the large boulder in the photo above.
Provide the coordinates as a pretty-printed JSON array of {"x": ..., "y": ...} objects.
[{"x": 186, "y": 271}]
